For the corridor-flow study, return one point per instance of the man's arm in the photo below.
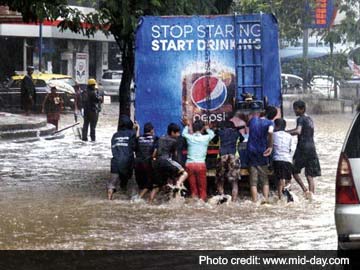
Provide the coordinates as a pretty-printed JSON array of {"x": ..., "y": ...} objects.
[
  {"x": 210, "y": 133},
  {"x": 137, "y": 129},
  {"x": 132, "y": 142},
  {"x": 113, "y": 146},
  {"x": 44, "y": 103},
  {"x": 298, "y": 129},
  {"x": 156, "y": 146},
  {"x": 295, "y": 131},
  {"x": 270, "y": 143},
  {"x": 186, "y": 133}
]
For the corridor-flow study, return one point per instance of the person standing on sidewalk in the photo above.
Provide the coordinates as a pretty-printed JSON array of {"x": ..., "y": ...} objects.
[
  {"x": 52, "y": 106},
  {"x": 91, "y": 105},
  {"x": 198, "y": 143},
  {"x": 28, "y": 92}
]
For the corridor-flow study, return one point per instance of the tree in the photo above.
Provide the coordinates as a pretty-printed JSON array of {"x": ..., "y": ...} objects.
[
  {"x": 290, "y": 14},
  {"x": 115, "y": 17}
]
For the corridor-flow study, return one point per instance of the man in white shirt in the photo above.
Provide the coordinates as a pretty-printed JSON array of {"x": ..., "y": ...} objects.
[{"x": 282, "y": 155}]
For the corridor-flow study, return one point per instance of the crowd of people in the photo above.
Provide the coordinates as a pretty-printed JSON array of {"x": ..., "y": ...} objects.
[
  {"x": 87, "y": 103},
  {"x": 159, "y": 162}
]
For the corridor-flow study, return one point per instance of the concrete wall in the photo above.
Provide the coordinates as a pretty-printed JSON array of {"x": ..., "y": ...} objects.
[
  {"x": 350, "y": 91},
  {"x": 314, "y": 104}
]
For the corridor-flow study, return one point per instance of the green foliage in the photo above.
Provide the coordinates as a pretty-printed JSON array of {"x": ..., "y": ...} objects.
[
  {"x": 290, "y": 14},
  {"x": 335, "y": 66},
  {"x": 350, "y": 27}
]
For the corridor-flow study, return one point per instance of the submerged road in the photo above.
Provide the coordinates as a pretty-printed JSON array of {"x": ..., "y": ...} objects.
[{"x": 52, "y": 196}]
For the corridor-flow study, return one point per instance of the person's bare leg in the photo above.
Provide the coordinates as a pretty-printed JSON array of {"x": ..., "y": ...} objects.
[
  {"x": 311, "y": 183},
  {"x": 235, "y": 191},
  {"x": 281, "y": 186},
  {"x": 288, "y": 183},
  {"x": 110, "y": 194},
  {"x": 300, "y": 182},
  {"x": 143, "y": 192},
  {"x": 253, "y": 191},
  {"x": 182, "y": 179},
  {"x": 220, "y": 187},
  {"x": 153, "y": 194},
  {"x": 266, "y": 192}
]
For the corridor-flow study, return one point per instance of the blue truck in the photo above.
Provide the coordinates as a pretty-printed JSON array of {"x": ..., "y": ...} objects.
[{"x": 205, "y": 67}]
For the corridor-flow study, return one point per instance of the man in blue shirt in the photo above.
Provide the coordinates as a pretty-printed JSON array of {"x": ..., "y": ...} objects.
[
  {"x": 198, "y": 143},
  {"x": 259, "y": 148}
]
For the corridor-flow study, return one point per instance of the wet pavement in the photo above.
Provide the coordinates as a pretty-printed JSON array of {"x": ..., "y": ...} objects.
[{"x": 52, "y": 196}]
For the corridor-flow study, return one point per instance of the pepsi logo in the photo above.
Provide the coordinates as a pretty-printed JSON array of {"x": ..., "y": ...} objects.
[{"x": 208, "y": 99}]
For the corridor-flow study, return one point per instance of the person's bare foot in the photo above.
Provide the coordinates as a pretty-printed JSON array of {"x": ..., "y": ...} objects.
[
  {"x": 265, "y": 201},
  {"x": 308, "y": 195}
]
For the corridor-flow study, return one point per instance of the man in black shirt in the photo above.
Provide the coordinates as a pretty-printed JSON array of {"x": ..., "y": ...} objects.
[
  {"x": 305, "y": 155},
  {"x": 123, "y": 145},
  {"x": 91, "y": 105},
  {"x": 164, "y": 165},
  {"x": 28, "y": 92},
  {"x": 144, "y": 149}
]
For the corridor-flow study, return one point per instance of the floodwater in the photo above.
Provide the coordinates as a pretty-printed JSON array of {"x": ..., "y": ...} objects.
[{"x": 52, "y": 196}]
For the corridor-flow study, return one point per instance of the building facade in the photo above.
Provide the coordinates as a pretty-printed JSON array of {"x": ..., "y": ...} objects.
[{"x": 51, "y": 50}]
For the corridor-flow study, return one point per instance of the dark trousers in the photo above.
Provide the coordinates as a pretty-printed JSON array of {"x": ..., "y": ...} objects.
[
  {"x": 143, "y": 174},
  {"x": 91, "y": 118}
]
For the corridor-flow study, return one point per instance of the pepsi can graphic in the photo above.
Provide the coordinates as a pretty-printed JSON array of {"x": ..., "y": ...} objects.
[{"x": 208, "y": 95}]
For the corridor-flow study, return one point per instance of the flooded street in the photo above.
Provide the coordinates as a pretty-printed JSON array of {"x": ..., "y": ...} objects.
[{"x": 52, "y": 196}]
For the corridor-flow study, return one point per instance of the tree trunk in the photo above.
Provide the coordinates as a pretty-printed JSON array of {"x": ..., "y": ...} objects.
[{"x": 128, "y": 60}]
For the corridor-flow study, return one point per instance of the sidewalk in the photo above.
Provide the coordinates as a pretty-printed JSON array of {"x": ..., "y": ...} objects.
[{"x": 16, "y": 126}]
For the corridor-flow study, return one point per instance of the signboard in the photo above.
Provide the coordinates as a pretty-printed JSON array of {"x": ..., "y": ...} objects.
[
  {"x": 322, "y": 13},
  {"x": 189, "y": 66},
  {"x": 81, "y": 68}
]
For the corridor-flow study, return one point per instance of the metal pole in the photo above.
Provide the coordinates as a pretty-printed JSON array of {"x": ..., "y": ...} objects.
[
  {"x": 305, "y": 57},
  {"x": 24, "y": 54},
  {"x": 40, "y": 46}
]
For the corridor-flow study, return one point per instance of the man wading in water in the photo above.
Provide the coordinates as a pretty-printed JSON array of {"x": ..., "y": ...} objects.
[{"x": 305, "y": 155}]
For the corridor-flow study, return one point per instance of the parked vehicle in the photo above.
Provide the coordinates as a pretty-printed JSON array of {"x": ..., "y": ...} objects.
[
  {"x": 10, "y": 94},
  {"x": 291, "y": 84},
  {"x": 347, "y": 209},
  {"x": 110, "y": 82},
  {"x": 324, "y": 86}
]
